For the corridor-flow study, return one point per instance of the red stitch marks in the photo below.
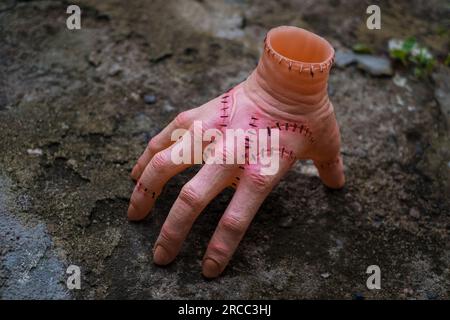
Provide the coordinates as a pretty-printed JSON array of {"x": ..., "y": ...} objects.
[
  {"x": 302, "y": 129},
  {"x": 237, "y": 179},
  {"x": 285, "y": 153},
  {"x": 145, "y": 190},
  {"x": 253, "y": 122},
  {"x": 225, "y": 108},
  {"x": 235, "y": 182},
  {"x": 291, "y": 65}
]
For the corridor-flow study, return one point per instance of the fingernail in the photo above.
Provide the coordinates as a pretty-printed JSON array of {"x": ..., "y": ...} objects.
[
  {"x": 161, "y": 256},
  {"x": 134, "y": 172},
  {"x": 132, "y": 213},
  {"x": 211, "y": 268}
]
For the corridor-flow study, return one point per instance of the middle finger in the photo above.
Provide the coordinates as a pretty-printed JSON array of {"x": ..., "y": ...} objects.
[{"x": 193, "y": 198}]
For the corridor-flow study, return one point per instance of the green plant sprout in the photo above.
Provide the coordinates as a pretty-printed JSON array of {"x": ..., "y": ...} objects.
[
  {"x": 361, "y": 48},
  {"x": 409, "y": 52}
]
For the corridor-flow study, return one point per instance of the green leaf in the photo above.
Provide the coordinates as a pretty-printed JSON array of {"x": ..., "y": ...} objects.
[
  {"x": 409, "y": 44},
  {"x": 361, "y": 48},
  {"x": 399, "y": 55}
]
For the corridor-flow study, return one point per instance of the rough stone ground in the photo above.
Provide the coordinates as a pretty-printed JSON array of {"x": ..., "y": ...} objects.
[{"x": 77, "y": 96}]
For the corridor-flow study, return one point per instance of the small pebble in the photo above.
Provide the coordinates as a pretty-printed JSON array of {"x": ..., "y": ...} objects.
[
  {"x": 399, "y": 81},
  {"x": 149, "y": 99},
  {"x": 94, "y": 59},
  {"x": 286, "y": 222},
  {"x": 167, "y": 107},
  {"x": 115, "y": 70},
  {"x": 134, "y": 96},
  {"x": 432, "y": 295},
  {"x": 278, "y": 286},
  {"x": 356, "y": 206},
  {"x": 413, "y": 212},
  {"x": 35, "y": 152},
  {"x": 72, "y": 162},
  {"x": 325, "y": 275},
  {"x": 408, "y": 291},
  {"x": 358, "y": 296},
  {"x": 400, "y": 100}
]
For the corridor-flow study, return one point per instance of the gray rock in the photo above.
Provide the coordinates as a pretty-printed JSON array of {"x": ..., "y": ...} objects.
[
  {"x": 344, "y": 58},
  {"x": 442, "y": 90},
  {"x": 94, "y": 58},
  {"x": 29, "y": 264},
  {"x": 376, "y": 66},
  {"x": 115, "y": 70},
  {"x": 150, "y": 99}
]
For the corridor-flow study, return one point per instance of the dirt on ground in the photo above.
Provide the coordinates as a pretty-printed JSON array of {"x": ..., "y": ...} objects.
[{"x": 73, "y": 121}]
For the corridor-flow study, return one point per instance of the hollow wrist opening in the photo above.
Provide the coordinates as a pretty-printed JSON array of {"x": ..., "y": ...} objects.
[{"x": 299, "y": 49}]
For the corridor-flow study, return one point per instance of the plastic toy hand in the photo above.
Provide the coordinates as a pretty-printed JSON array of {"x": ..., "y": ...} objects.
[{"x": 286, "y": 95}]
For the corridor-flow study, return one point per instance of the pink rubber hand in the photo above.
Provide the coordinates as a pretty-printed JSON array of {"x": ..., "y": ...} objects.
[{"x": 288, "y": 92}]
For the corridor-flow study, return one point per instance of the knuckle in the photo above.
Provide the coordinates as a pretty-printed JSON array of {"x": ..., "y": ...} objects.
[
  {"x": 167, "y": 236},
  {"x": 182, "y": 119},
  {"x": 233, "y": 224},
  {"x": 153, "y": 145},
  {"x": 220, "y": 253},
  {"x": 159, "y": 161},
  {"x": 260, "y": 182},
  {"x": 191, "y": 197}
]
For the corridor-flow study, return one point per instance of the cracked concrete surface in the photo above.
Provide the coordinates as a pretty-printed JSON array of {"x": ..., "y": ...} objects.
[{"x": 78, "y": 97}]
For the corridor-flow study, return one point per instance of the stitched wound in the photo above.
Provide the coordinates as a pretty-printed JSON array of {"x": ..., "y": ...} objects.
[
  {"x": 224, "y": 110},
  {"x": 293, "y": 65},
  {"x": 302, "y": 129},
  {"x": 145, "y": 190},
  {"x": 252, "y": 122},
  {"x": 286, "y": 153}
]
